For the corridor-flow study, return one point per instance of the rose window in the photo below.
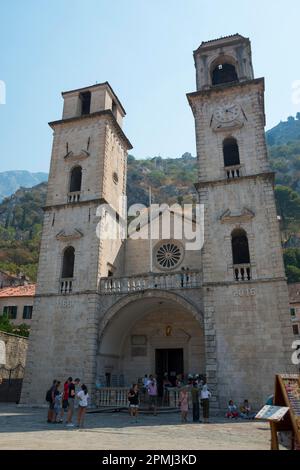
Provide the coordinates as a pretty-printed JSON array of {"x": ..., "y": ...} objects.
[{"x": 168, "y": 255}]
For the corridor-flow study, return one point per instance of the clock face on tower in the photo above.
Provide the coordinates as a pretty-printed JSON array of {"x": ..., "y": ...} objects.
[{"x": 227, "y": 113}]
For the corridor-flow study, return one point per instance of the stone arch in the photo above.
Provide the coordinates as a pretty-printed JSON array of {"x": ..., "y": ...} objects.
[
  {"x": 157, "y": 294},
  {"x": 231, "y": 152},
  {"x": 75, "y": 179},
  {"x": 68, "y": 262},
  {"x": 230, "y": 70},
  {"x": 145, "y": 316},
  {"x": 240, "y": 246}
]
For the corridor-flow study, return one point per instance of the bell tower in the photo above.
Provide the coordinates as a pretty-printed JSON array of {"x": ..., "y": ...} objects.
[
  {"x": 248, "y": 331},
  {"x": 88, "y": 169}
]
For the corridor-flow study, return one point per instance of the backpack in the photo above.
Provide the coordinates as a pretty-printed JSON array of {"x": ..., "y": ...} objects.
[{"x": 49, "y": 395}]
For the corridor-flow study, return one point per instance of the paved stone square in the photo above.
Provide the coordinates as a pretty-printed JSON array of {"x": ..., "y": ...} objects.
[{"x": 26, "y": 428}]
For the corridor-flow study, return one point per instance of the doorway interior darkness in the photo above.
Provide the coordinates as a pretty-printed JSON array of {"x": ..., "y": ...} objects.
[{"x": 170, "y": 361}]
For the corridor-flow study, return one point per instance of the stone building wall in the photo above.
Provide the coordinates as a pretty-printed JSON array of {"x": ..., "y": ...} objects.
[
  {"x": 63, "y": 343},
  {"x": 88, "y": 136},
  {"x": 20, "y": 303},
  {"x": 15, "y": 349}
]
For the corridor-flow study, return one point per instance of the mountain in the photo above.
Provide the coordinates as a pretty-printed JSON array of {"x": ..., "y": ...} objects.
[
  {"x": 171, "y": 180},
  {"x": 21, "y": 217},
  {"x": 10, "y": 181},
  {"x": 285, "y": 132}
]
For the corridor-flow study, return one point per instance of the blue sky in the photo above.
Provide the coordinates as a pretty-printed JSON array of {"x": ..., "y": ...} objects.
[{"x": 144, "y": 49}]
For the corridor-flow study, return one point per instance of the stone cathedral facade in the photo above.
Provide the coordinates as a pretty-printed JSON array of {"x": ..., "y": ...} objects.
[{"x": 100, "y": 314}]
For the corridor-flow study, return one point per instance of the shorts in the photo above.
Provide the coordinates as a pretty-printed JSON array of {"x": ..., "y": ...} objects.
[
  {"x": 71, "y": 404},
  {"x": 152, "y": 399},
  {"x": 51, "y": 405},
  {"x": 133, "y": 406},
  {"x": 65, "y": 405}
]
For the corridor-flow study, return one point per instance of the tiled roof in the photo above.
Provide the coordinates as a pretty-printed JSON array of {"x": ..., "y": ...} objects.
[
  {"x": 225, "y": 39},
  {"x": 237, "y": 35},
  {"x": 294, "y": 292},
  {"x": 20, "y": 291}
]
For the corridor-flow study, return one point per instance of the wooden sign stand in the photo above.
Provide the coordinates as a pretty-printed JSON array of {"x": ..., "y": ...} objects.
[{"x": 287, "y": 393}]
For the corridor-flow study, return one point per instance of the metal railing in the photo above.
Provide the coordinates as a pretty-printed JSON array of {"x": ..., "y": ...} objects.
[{"x": 117, "y": 397}]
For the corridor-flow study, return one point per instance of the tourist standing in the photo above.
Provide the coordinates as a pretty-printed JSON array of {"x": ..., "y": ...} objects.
[
  {"x": 145, "y": 386},
  {"x": 65, "y": 400},
  {"x": 178, "y": 382},
  {"x": 152, "y": 392},
  {"x": 50, "y": 397},
  {"x": 145, "y": 381},
  {"x": 77, "y": 390},
  {"x": 184, "y": 404},
  {"x": 57, "y": 404},
  {"x": 205, "y": 396},
  {"x": 133, "y": 398},
  {"x": 71, "y": 401},
  {"x": 195, "y": 401},
  {"x": 83, "y": 397}
]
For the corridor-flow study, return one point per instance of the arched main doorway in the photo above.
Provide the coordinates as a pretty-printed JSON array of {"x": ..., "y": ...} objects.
[{"x": 152, "y": 333}]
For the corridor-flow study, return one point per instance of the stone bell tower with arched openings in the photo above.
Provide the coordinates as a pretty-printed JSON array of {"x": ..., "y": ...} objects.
[
  {"x": 248, "y": 334},
  {"x": 88, "y": 168}
]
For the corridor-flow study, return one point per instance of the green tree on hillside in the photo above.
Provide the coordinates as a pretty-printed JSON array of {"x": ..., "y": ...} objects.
[{"x": 288, "y": 207}]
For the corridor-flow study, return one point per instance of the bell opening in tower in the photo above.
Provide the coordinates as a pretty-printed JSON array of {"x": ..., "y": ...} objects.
[
  {"x": 85, "y": 103},
  {"x": 224, "y": 73}
]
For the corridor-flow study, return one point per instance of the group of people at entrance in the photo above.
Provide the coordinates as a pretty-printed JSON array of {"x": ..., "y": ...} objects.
[
  {"x": 63, "y": 402},
  {"x": 200, "y": 396},
  {"x": 196, "y": 389}
]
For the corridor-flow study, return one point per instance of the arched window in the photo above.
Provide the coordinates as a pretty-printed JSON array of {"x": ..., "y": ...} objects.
[
  {"x": 75, "y": 179},
  {"x": 240, "y": 247},
  {"x": 231, "y": 152},
  {"x": 224, "y": 73},
  {"x": 68, "y": 263}
]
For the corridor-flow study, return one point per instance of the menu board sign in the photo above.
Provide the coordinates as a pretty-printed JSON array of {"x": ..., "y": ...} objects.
[
  {"x": 274, "y": 413},
  {"x": 287, "y": 394},
  {"x": 292, "y": 387}
]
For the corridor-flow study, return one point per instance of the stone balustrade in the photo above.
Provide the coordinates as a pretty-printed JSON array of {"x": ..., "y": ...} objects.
[
  {"x": 233, "y": 171},
  {"x": 74, "y": 196},
  {"x": 165, "y": 281},
  {"x": 242, "y": 272},
  {"x": 66, "y": 285}
]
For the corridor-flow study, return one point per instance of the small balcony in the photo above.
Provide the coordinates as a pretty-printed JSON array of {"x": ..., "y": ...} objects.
[
  {"x": 66, "y": 285},
  {"x": 234, "y": 171},
  {"x": 242, "y": 272},
  {"x": 164, "y": 281},
  {"x": 74, "y": 196}
]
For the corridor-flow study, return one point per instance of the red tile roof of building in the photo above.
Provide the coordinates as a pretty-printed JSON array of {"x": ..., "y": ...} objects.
[{"x": 20, "y": 291}]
